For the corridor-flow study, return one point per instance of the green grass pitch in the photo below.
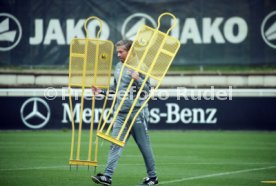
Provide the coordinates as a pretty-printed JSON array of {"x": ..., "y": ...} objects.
[{"x": 192, "y": 158}]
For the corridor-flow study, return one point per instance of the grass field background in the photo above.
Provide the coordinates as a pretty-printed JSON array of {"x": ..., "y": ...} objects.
[{"x": 192, "y": 158}]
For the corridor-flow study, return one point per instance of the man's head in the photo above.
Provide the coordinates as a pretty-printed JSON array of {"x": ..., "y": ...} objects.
[{"x": 123, "y": 47}]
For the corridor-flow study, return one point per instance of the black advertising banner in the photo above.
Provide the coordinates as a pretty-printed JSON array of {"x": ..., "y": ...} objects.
[
  {"x": 38, "y": 32},
  {"x": 240, "y": 113}
]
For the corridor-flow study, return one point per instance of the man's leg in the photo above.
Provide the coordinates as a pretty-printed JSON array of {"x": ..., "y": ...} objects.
[
  {"x": 115, "y": 151},
  {"x": 141, "y": 137},
  {"x": 113, "y": 156}
]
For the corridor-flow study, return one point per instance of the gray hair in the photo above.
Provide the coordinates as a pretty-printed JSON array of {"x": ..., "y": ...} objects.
[{"x": 126, "y": 43}]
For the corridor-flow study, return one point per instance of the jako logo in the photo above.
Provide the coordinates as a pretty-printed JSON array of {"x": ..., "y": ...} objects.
[
  {"x": 213, "y": 30},
  {"x": 10, "y": 32},
  {"x": 268, "y": 29},
  {"x": 134, "y": 22}
]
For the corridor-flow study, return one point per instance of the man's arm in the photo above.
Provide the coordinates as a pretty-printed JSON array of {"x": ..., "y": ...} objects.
[
  {"x": 139, "y": 80},
  {"x": 97, "y": 91}
]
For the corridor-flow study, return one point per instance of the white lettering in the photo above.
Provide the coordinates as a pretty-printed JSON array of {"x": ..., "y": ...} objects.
[
  {"x": 176, "y": 30},
  {"x": 186, "y": 115},
  {"x": 54, "y": 33},
  {"x": 241, "y": 33},
  {"x": 92, "y": 28},
  {"x": 74, "y": 30},
  {"x": 211, "y": 117},
  {"x": 87, "y": 115},
  {"x": 190, "y": 31},
  {"x": 97, "y": 115},
  {"x": 155, "y": 115},
  {"x": 214, "y": 30},
  {"x": 66, "y": 113},
  {"x": 198, "y": 115},
  {"x": 173, "y": 113},
  {"x": 38, "y": 37},
  {"x": 211, "y": 30}
]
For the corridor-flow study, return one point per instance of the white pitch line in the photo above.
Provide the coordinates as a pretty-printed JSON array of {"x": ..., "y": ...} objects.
[
  {"x": 161, "y": 164},
  {"x": 131, "y": 164},
  {"x": 134, "y": 164},
  {"x": 33, "y": 168},
  {"x": 216, "y": 175}
]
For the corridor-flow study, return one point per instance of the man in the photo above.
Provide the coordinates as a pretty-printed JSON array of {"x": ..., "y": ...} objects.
[{"x": 139, "y": 129}]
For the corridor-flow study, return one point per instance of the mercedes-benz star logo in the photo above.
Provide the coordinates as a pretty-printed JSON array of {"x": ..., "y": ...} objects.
[
  {"x": 10, "y": 32},
  {"x": 268, "y": 29},
  {"x": 134, "y": 22},
  {"x": 35, "y": 113}
]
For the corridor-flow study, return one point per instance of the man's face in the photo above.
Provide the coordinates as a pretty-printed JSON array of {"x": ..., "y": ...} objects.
[{"x": 122, "y": 53}]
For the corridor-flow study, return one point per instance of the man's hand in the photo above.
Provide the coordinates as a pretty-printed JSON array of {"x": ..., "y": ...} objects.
[
  {"x": 96, "y": 90},
  {"x": 135, "y": 75}
]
